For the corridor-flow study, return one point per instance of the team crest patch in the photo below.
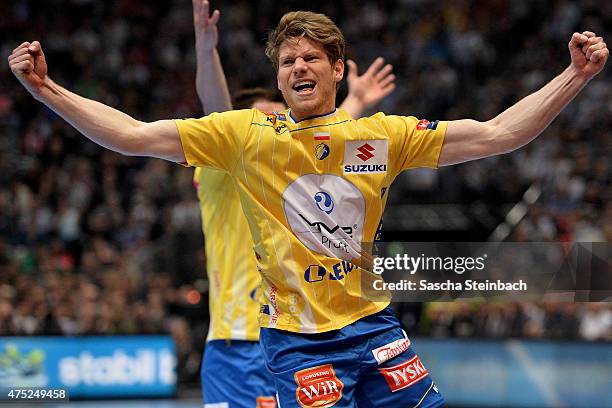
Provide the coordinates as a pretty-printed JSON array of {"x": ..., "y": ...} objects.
[
  {"x": 405, "y": 374},
  {"x": 322, "y": 151},
  {"x": 266, "y": 402},
  {"x": 365, "y": 156},
  {"x": 318, "y": 387}
]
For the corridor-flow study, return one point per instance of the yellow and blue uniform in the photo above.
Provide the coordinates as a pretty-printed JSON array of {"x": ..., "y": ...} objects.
[
  {"x": 230, "y": 260},
  {"x": 233, "y": 370},
  {"x": 313, "y": 193}
]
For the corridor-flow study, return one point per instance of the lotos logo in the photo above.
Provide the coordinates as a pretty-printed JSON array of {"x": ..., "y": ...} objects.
[
  {"x": 391, "y": 350},
  {"x": 405, "y": 374},
  {"x": 365, "y": 152},
  {"x": 324, "y": 202},
  {"x": 266, "y": 402},
  {"x": 318, "y": 387}
]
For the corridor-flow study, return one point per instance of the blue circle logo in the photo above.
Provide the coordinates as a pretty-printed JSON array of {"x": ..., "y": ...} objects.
[
  {"x": 324, "y": 202},
  {"x": 322, "y": 151}
]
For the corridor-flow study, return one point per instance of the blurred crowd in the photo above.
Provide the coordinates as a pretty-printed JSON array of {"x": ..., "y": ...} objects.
[{"x": 94, "y": 242}]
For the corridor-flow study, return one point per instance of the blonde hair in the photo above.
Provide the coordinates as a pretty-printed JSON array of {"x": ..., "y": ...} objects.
[{"x": 314, "y": 26}]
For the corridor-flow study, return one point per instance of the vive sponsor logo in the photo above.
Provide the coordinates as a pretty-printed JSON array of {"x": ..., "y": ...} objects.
[
  {"x": 146, "y": 367},
  {"x": 405, "y": 374},
  {"x": 326, "y": 225},
  {"x": 318, "y": 387},
  {"x": 319, "y": 226}
]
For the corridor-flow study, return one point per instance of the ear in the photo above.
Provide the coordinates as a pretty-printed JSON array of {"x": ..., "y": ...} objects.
[{"x": 338, "y": 71}]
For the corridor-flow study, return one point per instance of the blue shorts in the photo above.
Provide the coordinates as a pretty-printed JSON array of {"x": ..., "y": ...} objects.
[
  {"x": 234, "y": 375},
  {"x": 366, "y": 364}
]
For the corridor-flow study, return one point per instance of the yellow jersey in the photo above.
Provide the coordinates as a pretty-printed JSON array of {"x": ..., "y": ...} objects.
[
  {"x": 230, "y": 260},
  {"x": 313, "y": 193}
]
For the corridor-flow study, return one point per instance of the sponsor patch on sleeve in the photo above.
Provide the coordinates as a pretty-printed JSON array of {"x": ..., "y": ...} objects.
[
  {"x": 318, "y": 387},
  {"x": 404, "y": 375},
  {"x": 391, "y": 350},
  {"x": 424, "y": 124}
]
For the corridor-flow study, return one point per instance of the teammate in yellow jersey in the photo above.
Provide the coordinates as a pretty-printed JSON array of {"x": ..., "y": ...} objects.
[
  {"x": 233, "y": 372},
  {"x": 311, "y": 181}
]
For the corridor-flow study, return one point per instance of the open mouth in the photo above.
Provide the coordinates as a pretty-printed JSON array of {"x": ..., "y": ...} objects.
[{"x": 304, "y": 87}]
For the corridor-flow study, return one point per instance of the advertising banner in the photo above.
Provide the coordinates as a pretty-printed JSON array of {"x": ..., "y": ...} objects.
[{"x": 91, "y": 367}]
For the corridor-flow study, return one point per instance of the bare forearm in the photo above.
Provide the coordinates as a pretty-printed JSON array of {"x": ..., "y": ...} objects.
[
  {"x": 525, "y": 120},
  {"x": 211, "y": 84},
  {"x": 102, "y": 124}
]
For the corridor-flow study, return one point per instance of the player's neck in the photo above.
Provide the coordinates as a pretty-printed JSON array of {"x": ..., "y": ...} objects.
[{"x": 301, "y": 116}]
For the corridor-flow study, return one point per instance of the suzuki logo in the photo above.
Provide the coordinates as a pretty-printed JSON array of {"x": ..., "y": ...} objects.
[{"x": 365, "y": 152}]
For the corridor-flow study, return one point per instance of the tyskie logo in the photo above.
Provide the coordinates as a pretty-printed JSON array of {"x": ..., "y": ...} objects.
[
  {"x": 405, "y": 374},
  {"x": 318, "y": 387},
  {"x": 266, "y": 402},
  {"x": 365, "y": 157},
  {"x": 391, "y": 350}
]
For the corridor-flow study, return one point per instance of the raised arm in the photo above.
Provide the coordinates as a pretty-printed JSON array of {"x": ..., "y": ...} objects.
[
  {"x": 521, "y": 123},
  {"x": 102, "y": 124},
  {"x": 211, "y": 84},
  {"x": 368, "y": 89}
]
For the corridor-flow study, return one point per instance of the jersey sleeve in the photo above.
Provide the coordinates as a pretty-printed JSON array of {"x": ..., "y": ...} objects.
[
  {"x": 215, "y": 140},
  {"x": 414, "y": 143}
]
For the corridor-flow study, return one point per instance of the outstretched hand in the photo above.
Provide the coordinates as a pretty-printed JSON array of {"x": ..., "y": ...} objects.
[
  {"x": 371, "y": 87},
  {"x": 589, "y": 53},
  {"x": 28, "y": 64},
  {"x": 206, "y": 32}
]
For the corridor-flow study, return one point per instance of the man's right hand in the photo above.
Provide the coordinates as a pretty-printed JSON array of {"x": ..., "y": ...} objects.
[
  {"x": 29, "y": 66},
  {"x": 206, "y": 31}
]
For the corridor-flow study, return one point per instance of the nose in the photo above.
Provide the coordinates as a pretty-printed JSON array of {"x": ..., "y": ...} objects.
[{"x": 299, "y": 65}]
